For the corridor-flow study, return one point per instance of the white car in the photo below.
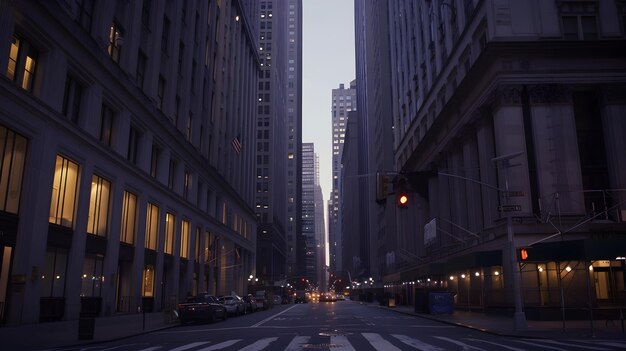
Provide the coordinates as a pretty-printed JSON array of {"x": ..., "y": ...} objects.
[{"x": 233, "y": 304}]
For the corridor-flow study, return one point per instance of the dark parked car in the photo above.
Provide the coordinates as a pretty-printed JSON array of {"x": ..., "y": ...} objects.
[
  {"x": 250, "y": 302},
  {"x": 203, "y": 307}
]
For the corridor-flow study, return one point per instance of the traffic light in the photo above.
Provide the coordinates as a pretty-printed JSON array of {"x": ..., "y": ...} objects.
[
  {"x": 523, "y": 254},
  {"x": 402, "y": 199}
]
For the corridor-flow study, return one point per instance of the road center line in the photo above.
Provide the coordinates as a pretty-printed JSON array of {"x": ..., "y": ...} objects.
[{"x": 272, "y": 317}]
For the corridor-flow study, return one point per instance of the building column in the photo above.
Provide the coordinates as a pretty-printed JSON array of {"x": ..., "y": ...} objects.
[
  {"x": 30, "y": 248},
  {"x": 76, "y": 257}
]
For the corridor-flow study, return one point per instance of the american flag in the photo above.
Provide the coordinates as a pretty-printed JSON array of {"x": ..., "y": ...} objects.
[{"x": 237, "y": 143}]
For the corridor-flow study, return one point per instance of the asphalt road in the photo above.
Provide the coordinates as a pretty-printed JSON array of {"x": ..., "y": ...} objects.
[{"x": 342, "y": 326}]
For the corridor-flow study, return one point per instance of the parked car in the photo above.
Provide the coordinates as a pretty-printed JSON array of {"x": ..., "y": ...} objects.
[
  {"x": 202, "y": 307},
  {"x": 261, "y": 300},
  {"x": 250, "y": 303},
  {"x": 234, "y": 304}
]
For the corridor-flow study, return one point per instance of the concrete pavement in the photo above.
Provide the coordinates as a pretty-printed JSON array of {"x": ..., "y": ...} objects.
[{"x": 46, "y": 336}]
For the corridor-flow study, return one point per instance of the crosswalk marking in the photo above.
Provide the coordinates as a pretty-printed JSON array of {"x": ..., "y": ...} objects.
[
  {"x": 574, "y": 345},
  {"x": 151, "y": 348},
  {"x": 190, "y": 346},
  {"x": 297, "y": 342},
  {"x": 613, "y": 344},
  {"x": 341, "y": 343},
  {"x": 462, "y": 344},
  {"x": 221, "y": 345},
  {"x": 540, "y": 345},
  {"x": 259, "y": 345},
  {"x": 416, "y": 343},
  {"x": 495, "y": 343},
  {"x": 379, "y": 343}
]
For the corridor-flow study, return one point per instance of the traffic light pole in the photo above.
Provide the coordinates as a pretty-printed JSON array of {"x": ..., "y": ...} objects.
[{"x": 519, "y": 317}]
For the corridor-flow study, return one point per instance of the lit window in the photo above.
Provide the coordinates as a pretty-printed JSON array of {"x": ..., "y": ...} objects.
[
  {"x": 152, "y": 227},
  {"x": 184, "y": 240},
  {"x": 170, "y": 221},
  {"x": 64, "y": 192},
  {"x": 129, "y": 218},
  {"x": 13, "y": 150},
  {"x": 99, "y": 206}
]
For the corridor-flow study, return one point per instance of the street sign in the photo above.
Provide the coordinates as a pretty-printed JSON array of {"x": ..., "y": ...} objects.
[
  {"x": 509, "y": 208},
  {"x": 512, "y": 194}
]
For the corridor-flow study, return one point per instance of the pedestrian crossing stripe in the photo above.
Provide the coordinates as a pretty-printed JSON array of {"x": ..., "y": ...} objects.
[{"x": 379, "y": 342}]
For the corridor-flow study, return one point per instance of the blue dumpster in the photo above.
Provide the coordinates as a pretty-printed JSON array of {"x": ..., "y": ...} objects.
[{"x": 440, "y": 303}]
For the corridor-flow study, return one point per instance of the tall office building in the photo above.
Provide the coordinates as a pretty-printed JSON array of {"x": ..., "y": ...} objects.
[
  {"x": 320, "y": 230},
  {"x": 509, "y": 128},
  {"x": 343, "y": 101},
  {"x": 278, "y": 140},
  {"x": 379, "y": 240},
  {"x": 309, "y": 220},
  {"x": 128, "y": 138}
]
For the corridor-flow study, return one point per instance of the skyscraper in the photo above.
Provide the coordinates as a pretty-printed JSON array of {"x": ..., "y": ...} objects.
[
  {"x": 343, "y": 101},
  {"x": 309, "y": 229},
  {"x": 279, "y": 138}
]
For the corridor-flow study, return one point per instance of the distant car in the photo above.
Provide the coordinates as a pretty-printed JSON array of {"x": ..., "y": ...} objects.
[
  {"x": 301, "y": 297},
  {"x": 277, "y": 300},
  {"x": 203, "y": 307},
  {"x": 250, "y": 303},
  {"x": 234, "y": 304},
  {"x": 327, "y": 297},
  {"x": 340, "y": 297},
  {"x": 261, "y": 301}
]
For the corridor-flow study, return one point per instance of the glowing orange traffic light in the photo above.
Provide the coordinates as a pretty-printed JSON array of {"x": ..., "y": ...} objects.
[
  {"x": 523, "y": 253},
  {"x": 402, "y": 200}
]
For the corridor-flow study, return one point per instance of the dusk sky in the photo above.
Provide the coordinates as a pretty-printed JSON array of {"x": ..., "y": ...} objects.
[{"x": 328, "y": 60}]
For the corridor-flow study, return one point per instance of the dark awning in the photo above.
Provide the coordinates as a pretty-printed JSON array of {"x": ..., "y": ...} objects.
[
  {"x": 577, "y": 250},
  {"x": 474, "y": 260}
]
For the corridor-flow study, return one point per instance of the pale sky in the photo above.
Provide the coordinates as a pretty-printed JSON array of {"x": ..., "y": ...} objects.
[{"x": 328, "y": 60}]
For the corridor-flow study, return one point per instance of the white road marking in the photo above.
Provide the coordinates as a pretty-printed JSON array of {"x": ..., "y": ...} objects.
[
  {"x": 190, "y": 346},
  {"x": 272, "y": 317},
  {"x": 462, "y": 344},
  {"x": 379, "y": 343},
  {"x": 613, "y": 344},
  {"x": 495, "y": 343},
  {"x": 573, "y": 345},
  {"x": 151, "y": 348},
  {"x": 420, "y": 345},
  {"x": 221, "y": 345},
  {"x": 297, "y": 342},
  {"x": 540, "y": 345},
  {"x": 342, "y": 343},
  {"x": 259, "y": 345}
]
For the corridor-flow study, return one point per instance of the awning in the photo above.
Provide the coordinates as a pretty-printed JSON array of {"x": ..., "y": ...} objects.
[
  {"x": 474, "y": 260},
  {"x": 576, "y": 250}
]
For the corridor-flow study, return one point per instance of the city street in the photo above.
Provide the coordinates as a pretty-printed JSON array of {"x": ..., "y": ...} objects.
[{"x": 342, "y": 325}]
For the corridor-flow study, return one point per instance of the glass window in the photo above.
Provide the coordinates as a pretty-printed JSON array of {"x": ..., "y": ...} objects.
[
  {"x": 64, "y": 192},
  {"x": 129, "y": 218},
  {"x": 147, "y": 287},
  {"x": 154, "y": 160},
  {"x": 13, "y": 148},
  {"x": 93, "y": 277},
  {"x": 184, "y": 239},
  {"x": 141, "y": 68},
  {"x": 71, "y": 99},
  {"x": 170, "y": 225},
  {"x": 53, "y": 276},
  {"x": 133, "y": 145},
  {"x": 84, "y": 15},
  {"x": 99, "y": 206},
  {"x": 198, "y": 251},
  {"x": 22, "y": 63},
  {"x": 106, "y": 125},
  {"x": 115, "y": 42},
  {"x": 152, "y": 227}
]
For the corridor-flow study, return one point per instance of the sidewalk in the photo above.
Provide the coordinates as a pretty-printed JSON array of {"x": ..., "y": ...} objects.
[
  {"x": 504, "y": 326},
  {"x": 45, "y": 336}
]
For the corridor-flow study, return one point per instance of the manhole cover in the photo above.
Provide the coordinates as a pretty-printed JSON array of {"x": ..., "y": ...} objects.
[{"x": 321, "y": 346}]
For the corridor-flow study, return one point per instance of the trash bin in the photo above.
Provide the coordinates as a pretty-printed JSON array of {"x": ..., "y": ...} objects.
[
  {"x": 440, "y": 303},
  {"x": 89, "y": 309},
  {"x": 86, "y": 326}
]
